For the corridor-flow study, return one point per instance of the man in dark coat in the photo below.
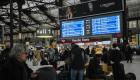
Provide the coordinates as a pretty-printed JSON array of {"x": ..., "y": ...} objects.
[
  {"x": 128, "y": 54},
  {"x": 77, "y": 62},
  {"x": 118, "y": 68}
]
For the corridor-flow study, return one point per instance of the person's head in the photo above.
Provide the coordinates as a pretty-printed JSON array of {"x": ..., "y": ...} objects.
[
  {"x": 74, "y": 45},
  {"x": 104, "y": 50},
  {"x": 19, "y": 52},
  {"x": 93, "y": 48},
  {"x": 114, "y": 45}
]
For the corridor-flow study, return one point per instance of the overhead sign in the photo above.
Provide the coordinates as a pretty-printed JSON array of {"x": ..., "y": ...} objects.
[
  {"x": 79, "y": 40},
  {"x": 72, "y": 28},
  {"x": 90, "y": 8},
  {"x": 106, "y": 25}
]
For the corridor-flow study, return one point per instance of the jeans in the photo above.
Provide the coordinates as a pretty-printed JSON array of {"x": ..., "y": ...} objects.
[{"x": 75, "y": 73}]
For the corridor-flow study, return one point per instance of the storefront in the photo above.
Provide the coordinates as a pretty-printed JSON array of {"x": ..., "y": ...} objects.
[{"x": 134, "y": 34}]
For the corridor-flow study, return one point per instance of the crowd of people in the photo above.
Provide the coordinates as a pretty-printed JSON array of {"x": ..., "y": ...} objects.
[{"x": 77, "y": 60}]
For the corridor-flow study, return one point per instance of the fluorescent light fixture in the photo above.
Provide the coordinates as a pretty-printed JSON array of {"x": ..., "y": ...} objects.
[{"x": 44, "y": 36}]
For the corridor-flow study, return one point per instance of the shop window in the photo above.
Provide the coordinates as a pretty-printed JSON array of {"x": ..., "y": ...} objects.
[
  {"x": 132, "y": 24},
  {"x": 139, "y": 24}
]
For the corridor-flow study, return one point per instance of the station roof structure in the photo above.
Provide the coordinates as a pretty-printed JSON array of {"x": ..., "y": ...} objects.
[{"x": 43, "y": 13}]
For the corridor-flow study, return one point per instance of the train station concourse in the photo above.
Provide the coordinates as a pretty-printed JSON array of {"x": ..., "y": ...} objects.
[{"x": 69, "y": 39}]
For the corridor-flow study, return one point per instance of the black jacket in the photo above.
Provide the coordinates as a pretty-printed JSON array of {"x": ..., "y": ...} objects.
[
  {"x": 118, "y": 71},
  {"x": 106, "y": 58},
  {"x": 116, "y": 55},
  {"x": 77, "y": 61},
  {"x": 47, "y": 73},
  {"x": 15, "y": 70},
  {"x": 94, "y": 69}
]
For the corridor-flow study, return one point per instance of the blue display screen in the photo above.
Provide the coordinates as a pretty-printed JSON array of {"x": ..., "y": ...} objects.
[
  {"x": 106, "y": 25},
  {"x": 72, "y": 28}
]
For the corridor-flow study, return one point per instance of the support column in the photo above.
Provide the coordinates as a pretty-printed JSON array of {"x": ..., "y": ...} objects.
[
  {"x": 20, "y": 26},
  {"x": 138, "y": 33},
  {"x": 11, "y": 23},
  {"x": 125, "y": 27}
]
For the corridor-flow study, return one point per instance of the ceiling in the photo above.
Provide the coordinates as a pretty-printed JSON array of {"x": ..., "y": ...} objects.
[
  {"x": 35, "y": 14},
  {"x": 40, "y": 13}
]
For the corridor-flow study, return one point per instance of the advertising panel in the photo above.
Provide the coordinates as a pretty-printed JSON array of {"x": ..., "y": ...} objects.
[{"x": 94, "y": 7}]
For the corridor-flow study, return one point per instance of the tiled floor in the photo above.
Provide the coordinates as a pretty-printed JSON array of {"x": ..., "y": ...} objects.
[{"x": 133, "y": 67}]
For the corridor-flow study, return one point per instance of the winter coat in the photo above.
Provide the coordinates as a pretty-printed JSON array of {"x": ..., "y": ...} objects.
[
  {"x": 77, "y": 60},
  {"x": 116, "y": 55},
  {"x": 15, "y": 70},
  {"x": 118, "y": 71},
  {"x": 94, "y": 69}
]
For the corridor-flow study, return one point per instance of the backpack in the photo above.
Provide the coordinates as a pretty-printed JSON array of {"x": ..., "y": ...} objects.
[{"x": 76, "y": 55}]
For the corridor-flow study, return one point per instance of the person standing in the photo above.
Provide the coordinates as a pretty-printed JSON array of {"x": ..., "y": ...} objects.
[
  {"x": 93, "y": 52},
  {"x": 87, "y": 50},
  {"x": 118, "y": 68},
  {"x": 16, "y": 68},
  {"x": 78, "y": 61}
]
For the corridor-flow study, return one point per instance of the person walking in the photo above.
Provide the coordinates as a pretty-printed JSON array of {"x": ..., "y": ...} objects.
[{"x": 129, "y": 54}]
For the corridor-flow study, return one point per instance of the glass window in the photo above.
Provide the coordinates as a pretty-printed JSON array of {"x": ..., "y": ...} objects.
[{"x": 132, "y": 24}]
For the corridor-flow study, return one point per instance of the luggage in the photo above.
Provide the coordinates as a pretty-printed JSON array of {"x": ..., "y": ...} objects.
[
  {"x": 63, "y": 75},
  {"x": 130, "y": 76}
]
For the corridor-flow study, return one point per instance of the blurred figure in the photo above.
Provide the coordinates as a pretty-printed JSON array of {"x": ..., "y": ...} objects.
[
  {"x": 46, "y": 73},
  {"x": 43, "y": 60},
  {"x": 16, "y": 68},
  {"x": 69, "y": 13},
  {"x": 87, "y": 50},
  {"x": 129, "y": 53},
  {"x": 35, "y": 61},
  {"x": 93, "y": 52},
  {"x": 30, "y": 55},
  {"x": 94, "y": 69},
  {"x": 118, "y": 68},
  {"x": 4, "y": 58},
  {"x": 66, "y": 54},
  {"x": 115, "y": 54},
  {"x": 78, "y": 61},
  {"x": 105, "y": 58}
]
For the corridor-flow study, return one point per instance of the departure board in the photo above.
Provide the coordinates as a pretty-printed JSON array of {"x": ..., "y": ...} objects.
[
  {"x": 106, "y": 25},
  {"x": 75, "y": 28}
]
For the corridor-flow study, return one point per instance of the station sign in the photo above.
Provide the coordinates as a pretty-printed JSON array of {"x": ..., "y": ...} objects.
[
  {"x": 85, "y": 40},
  {"x": 93, "y": 7}
]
